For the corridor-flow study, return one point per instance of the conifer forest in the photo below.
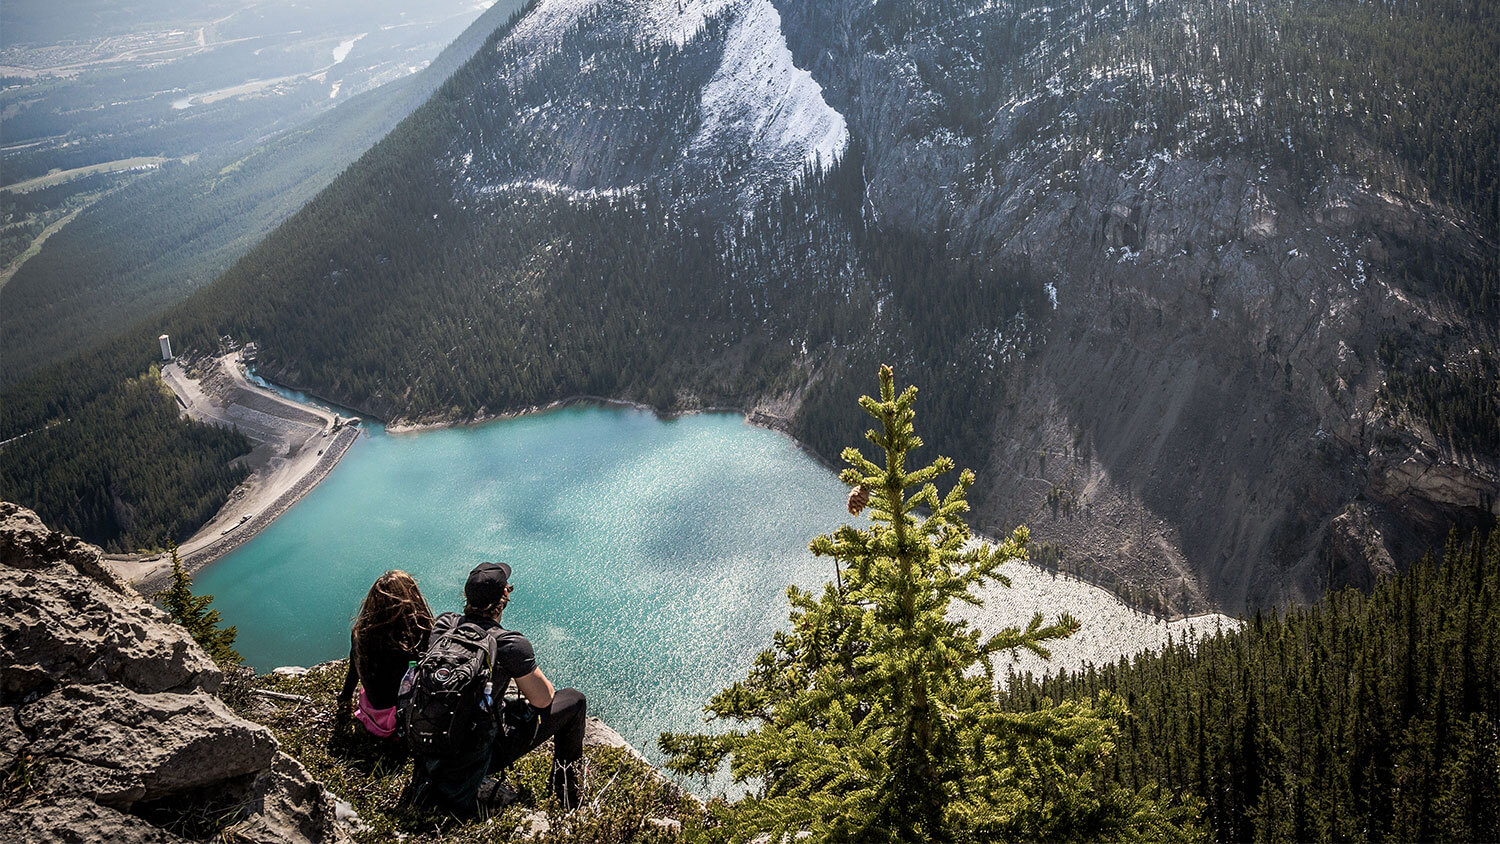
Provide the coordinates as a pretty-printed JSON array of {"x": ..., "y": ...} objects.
[{"x": 1202, "y": 298}]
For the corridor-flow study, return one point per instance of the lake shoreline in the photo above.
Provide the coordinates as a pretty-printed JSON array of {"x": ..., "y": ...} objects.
[
  {"x": 284, "y": 467},
  {"x": 756, "y": 417},
  {"x": 157, "y": 577},
  {"x": 151, "y": 572}
]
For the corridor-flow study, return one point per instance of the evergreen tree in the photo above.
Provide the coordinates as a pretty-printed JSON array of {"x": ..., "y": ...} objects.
[
  {"x": 1366, "y": 717},
  {"x": 193, "y": 612},
  {"x": 875, "y": 717}
]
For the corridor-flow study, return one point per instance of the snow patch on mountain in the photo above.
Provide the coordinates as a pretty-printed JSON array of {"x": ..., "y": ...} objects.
[
  {"x": 677, "y": 21},
  {"x": 1111, "y": 629},
  {"x": 556, "y": 189},
  {"x": 659, "y": 21},
  {"x": 760, "y": 99},
  {"x": 762, "y": 119},
  {"x": 544, "y": 25}
]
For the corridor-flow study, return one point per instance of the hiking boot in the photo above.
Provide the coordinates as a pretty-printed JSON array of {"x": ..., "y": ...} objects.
[
  {"x": 567, "y": 783},
  {"x": 495, "y": 794}
]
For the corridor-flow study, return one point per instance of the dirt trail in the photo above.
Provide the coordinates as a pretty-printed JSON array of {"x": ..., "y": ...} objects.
[
  {"x": 296, "y": 446},
  {"x": 36, "y": 245}
]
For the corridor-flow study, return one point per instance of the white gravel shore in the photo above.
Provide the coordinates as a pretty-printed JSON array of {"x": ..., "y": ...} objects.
[{"x": 1111, "y": 629}]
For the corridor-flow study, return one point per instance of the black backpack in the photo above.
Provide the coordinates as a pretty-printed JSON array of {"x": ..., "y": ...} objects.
[{"x": 444, "y": 712}]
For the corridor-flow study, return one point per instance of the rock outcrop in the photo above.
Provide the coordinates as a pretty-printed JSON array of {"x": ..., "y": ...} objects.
[
  {"x": 110, "y": 729},
  {"x": 1205, "y": 417}
]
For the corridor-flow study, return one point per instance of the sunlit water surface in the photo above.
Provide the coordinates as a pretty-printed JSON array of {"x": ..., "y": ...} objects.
[{"x": 651, "y": 556}]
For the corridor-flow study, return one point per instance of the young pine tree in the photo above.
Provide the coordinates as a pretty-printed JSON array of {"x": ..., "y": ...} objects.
[
  {"x": 875, "y": 718},
  {"x": 193, "y": 612}
]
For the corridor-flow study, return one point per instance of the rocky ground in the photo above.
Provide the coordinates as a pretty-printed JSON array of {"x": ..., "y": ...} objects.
[
  {"x": 111, "y": 728},
  {"x": 115, "y": 726}
]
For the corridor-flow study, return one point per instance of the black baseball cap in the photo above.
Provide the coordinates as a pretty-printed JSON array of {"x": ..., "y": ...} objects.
[{"x": 486, "y": 584}]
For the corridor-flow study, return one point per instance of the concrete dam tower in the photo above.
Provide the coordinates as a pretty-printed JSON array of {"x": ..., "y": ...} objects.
[{"x": 166, "y": 347}]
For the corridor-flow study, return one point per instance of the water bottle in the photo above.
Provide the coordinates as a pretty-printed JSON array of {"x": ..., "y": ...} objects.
[
  {"x": 408, "y": 679},
  {"x": 489, "y": 700}
]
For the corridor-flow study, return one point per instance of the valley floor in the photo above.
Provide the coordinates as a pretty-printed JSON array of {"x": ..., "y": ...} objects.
[{"x": 296, "y": 446}]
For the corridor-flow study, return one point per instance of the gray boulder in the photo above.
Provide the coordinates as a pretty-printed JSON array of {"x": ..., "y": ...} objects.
[
  {"x": 287, "y": 804},
  {"x": 122, "y": 747},
  {"x": 58, "y": 626},
  {"x": 77, "y": 820},
  {"x": 109, "y": 726},
  {"x": 27, "y": 543},
  {"x": 12, "y": 740}
]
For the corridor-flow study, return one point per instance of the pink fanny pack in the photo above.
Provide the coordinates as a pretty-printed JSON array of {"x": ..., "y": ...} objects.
[{"x": 380, "y": 722}]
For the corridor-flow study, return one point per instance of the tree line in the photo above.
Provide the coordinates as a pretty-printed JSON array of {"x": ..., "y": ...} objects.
[
  {"x": 1366, "y": 717},
  {"x": 122, "y": 470}
]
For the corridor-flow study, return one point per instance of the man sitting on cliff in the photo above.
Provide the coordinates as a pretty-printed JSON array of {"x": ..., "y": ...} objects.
[{"x": 458, "y": 734}]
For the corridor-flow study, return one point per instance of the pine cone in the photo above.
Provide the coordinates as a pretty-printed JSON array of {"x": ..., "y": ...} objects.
[{"x": 858, "y": 498}]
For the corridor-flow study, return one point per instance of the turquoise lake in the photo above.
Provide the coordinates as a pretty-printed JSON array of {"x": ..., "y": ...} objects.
[{"x": 651, "y": 556}]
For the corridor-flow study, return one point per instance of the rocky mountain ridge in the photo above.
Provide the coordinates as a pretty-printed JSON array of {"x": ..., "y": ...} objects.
[
  {"x": 597, "y": 99},
  {"x": 110, "y": 726},
  {"x": 1204, "y": 307},
  {"x": 1168, "y": 292},
  {"x": 1210, "y": 375}
]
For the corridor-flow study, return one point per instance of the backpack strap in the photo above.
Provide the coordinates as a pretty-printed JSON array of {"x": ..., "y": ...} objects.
[
  {"x": 442, "y": 624},
  {"x": 491, "y": 649},
  {"x": 485, "y": 639},
  {"x": 448, "y": 622}
]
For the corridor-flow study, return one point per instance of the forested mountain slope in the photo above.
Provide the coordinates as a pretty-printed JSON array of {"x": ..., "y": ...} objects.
[
  {"x": 151, "y": 244},
  {"x": 1214, "y": 315},
  {"x": 1271, "y": 228},
  {"x": 1367, "y": 717}
]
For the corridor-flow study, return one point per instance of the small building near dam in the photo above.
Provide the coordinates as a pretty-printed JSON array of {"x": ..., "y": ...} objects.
[{"x": 166, "y": 347}]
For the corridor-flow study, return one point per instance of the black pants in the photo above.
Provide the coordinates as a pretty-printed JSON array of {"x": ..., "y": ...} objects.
[
  {"x": 452, "y": 784},
  {"x": 563, "y": 722}
]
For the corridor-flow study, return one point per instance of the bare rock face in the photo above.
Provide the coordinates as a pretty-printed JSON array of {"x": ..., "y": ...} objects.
[
  {"x": 1204, "y": 414},
  {"x": 78, "y": 820},
  {"x": 12, "y": 740},
  {"x": 287, "y": 804},
  {"x": 56, "y": 629},
  {"x": 27, "y": 544},
  {"x": 109, "y": 726},
  {"x": 122, "y": 748}
]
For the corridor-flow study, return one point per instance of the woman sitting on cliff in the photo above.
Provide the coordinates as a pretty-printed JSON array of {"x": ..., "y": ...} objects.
[{"x": 389, "y": 632}]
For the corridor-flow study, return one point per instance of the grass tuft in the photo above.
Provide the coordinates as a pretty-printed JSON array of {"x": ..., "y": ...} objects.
[{"x": 625, "y": 799}]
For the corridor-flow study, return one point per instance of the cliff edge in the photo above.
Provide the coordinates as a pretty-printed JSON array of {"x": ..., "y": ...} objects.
[{"x": 110, "y": 728}]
